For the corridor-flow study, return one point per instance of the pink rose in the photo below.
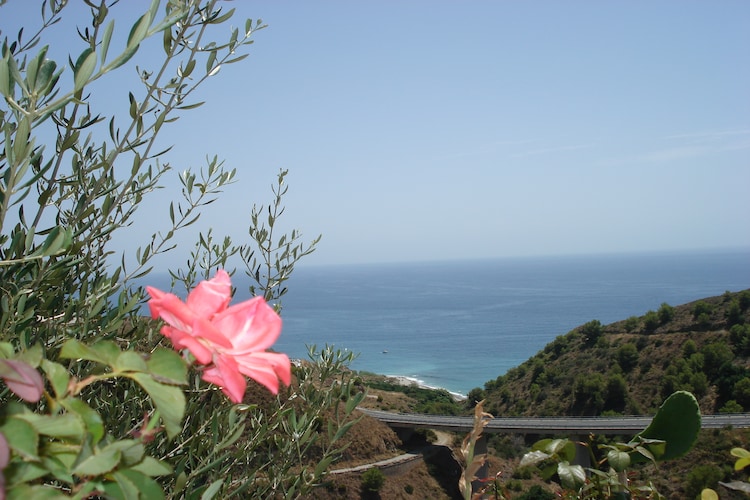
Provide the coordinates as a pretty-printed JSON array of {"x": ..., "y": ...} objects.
[
  {"x": 230, "y": 341},
  {"x": 22, "y": 379}
]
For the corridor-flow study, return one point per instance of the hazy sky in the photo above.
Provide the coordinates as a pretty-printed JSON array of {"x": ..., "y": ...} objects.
[{"x": 423, "y": 130}]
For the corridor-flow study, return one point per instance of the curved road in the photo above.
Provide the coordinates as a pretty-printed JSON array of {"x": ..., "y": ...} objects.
[{"x": 545, "y": 425}]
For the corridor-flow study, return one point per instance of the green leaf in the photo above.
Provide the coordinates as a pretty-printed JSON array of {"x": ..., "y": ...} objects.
[
  {"x": 63, "y": 426},
  {"x": 99, "y": 463},
  {"x": 571, "y": 475},
  {"x": 6, "y": 350},
  {"x": 743, "y": 458},
  {"x": 212, "y": 490},
  {"x": 146, "y": 487},
  {"x": 84, "y": 68},
  {"x": 132, "y": 451},
  {"x": 5, "y": 81},
  {"x": 104, "y": 352},
  {"x": 22, "y": 438},
  {"x": 169, "y": 400},
  {"x": 106, "y": 39},
  {"x": 138, "y": 31},
  {"x": 91, "y": 419},
  {"x": 167, "y": 367},
  {"x": 37, "y": 492},
  {"x": 153, "y": 467},
  {"x": 58, "y": 376},
  {"x": 31, "y": 356},
  {"x": 618, "y": 460},
  {"x": 677, "y": 422},
  {"x": 130, "y": 361},
  {"x": 533, "y": 458},
  {"x": 21, "y": 141},
  {"x": 122, "y": 489}
]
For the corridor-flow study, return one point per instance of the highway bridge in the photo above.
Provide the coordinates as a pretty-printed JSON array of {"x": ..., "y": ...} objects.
[{"x": 625, "y": 425}]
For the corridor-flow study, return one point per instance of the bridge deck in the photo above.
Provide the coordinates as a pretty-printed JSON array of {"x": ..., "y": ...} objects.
[{"x": 545, "y": 425}]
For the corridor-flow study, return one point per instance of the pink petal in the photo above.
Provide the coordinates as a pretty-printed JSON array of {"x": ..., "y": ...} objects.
[
  {"x": 182, "y": 340},
  {"x": 211, "y": 296},
  {"x": 265, "y": 369},
  {"x": 202, "y": 328},
  {"x": 280, "y": 363},
  {"x": 170, "y": 308},
  {"x": 22, "y": 379},
  {"x": 251, "y": 325},
  {"x": 226, "y": 375}
]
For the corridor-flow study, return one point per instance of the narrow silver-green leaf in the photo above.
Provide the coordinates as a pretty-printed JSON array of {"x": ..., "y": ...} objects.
[
  {"x": 138, "y": 31},
  {"x": 212, "y": 490},
  {"x": 106, "y": 39},
  {"x": 84, "y": 68}
]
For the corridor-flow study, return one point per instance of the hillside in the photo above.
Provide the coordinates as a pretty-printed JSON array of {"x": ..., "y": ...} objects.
[
  {"x": 631, "y": 366},
  {"x": 626, "y": 367}
]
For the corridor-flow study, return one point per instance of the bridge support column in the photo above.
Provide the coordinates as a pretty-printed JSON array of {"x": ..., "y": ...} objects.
[
  {"x": 480, "y": 448},
  {"x": 583, "y": 456}
]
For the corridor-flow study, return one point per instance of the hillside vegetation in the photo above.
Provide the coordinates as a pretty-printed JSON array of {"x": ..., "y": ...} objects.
[
  {"x": 627, "y": 367},
  {"x": 631, "y": 366}
]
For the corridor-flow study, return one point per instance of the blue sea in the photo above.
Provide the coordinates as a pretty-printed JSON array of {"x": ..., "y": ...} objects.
[{"x": 458, "y": 324}]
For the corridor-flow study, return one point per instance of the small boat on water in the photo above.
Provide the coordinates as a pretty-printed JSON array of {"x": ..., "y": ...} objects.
[{"x": 385, "y": 351}]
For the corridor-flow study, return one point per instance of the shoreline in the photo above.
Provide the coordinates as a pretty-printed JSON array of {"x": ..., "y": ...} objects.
[{"x": 412, "y": 381}]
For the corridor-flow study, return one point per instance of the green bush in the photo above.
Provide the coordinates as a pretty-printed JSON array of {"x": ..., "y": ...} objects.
[
  {"x": 651, "y": 321},
  {"x": 373, "y": 480},
  {"x": 733, "y": 314},
  {"x": 666, "y": 313},
  {"x": 631, "y": 323},
  {"x": 591, "y": 331},
  {"x": 702, "y": 307},
  {"x": 700, "y": 477},
  {"x": 627, "y": 356}
]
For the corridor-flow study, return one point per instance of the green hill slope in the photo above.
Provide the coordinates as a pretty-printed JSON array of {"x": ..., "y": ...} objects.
[{"x": 631, "y": 366}]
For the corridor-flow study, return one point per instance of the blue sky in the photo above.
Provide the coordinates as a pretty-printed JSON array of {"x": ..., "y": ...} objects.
[{"x": 429, "y": 130}]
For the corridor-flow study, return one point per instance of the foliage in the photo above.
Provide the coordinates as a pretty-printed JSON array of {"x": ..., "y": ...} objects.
[
  {"x": 431, "y": 401},
  {"x": 671, "y": 433},
  {"x": 373, "y": 480},
  {"x": 591, "y": 331},
  {"x": 121, "y": 415},
  {"x": 666, "y": 313},
  {"x": 651, "y": 321}
]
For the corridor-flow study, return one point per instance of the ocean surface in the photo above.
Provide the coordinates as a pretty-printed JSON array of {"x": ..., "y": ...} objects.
[{"x": 458, "y": 324}]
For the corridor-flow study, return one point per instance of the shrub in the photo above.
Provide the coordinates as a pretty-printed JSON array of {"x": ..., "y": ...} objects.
[
  {"x": 733, "y": 314},
  {"x": 700, "y": 477},
  {"x": 702, "y": 307},
  {"x": 666, "y": 313},
  {"x": 591, "y": 331},
  {"x": 731, "y": 406},
  {"x": 373, "y": 480},
  {"x": 689, "y": 348},
  {"x": 627, "y": 356},
  {"x": 651, "y": 321},
  {"x": 631, "y": 324}
]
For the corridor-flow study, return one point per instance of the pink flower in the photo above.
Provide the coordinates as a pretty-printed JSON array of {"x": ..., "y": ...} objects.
[
  {"x": 230, "y": 341},
  {"x": 22, "y": 379}
]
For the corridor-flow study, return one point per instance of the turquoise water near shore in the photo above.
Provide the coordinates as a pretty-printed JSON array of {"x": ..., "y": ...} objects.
[{"x": 458, "y": 324}]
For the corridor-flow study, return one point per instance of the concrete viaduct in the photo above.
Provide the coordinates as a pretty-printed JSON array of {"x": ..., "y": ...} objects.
[{"x": 626, "y": 425}]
